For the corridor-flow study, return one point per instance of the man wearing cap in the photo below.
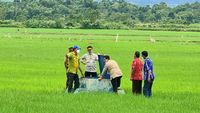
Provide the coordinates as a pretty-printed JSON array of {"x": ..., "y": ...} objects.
[
  {"x": 89, "y": 60},
  {"x": 73, "y": 65}
]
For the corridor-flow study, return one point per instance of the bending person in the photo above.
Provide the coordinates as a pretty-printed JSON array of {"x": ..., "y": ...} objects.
[{"x": 115, "y": 72}]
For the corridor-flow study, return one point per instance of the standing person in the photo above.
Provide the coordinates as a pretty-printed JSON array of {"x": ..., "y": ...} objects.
[
  {"x": 148, "y": 75},
  {"x": 89, "y": 60},
  {"x": 73, "y": 67},
  {"x": 115, "y": 72},
  {"x": 136, "y": 74},
  {"x": 70, "y": 49}
]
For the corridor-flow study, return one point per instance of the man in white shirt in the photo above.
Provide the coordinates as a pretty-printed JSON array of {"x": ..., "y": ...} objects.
[{"x": 89, "y": 60}]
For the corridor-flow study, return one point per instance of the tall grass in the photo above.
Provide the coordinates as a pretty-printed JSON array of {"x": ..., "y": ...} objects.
[{"x": 32, "y": 74}]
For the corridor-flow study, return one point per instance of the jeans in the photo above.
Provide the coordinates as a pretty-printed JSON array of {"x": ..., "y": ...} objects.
[
  {"x": 72, "y": 78},
  {"x": 116, "y": 83},
  {"x": 147, "y": 88}
]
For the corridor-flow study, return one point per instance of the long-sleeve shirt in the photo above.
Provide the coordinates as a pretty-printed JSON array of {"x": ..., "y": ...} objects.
[
  {"x": 112, "y": 67},
  {"x": 148, "y": 66}
]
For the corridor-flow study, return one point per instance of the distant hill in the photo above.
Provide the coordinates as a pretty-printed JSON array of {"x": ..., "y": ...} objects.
[
  {"x": 169, "y": 2},
  {"x": 151, "y": 2}
]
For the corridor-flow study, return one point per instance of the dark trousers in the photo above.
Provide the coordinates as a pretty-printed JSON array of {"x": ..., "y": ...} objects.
[
  {"x": 72, "y": 78},
  {"x": 147, "y": 88},
  {"x": 88, "y": 74},
  {"x": 137, "y": 86},
  {"x": 67, "y": 80},
  {"x": 116, "y": 83}
]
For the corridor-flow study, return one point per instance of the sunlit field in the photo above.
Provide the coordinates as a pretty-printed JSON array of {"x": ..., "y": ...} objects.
[{"x": 32, "y": 73}]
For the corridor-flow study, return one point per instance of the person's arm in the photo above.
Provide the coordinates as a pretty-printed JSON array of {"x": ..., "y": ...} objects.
[
  {"x": 66, "y": 61},
  {"x": 96, "y": 58},
  {"x": 79, "y": 67},
  {"x": 133, "y": 68},
  {"x": 83, "y": 59},
  {"x": 81, "y": 71},
  {"x": 103, "y": 72},
  {"x": 148, "y": 71},
  {"x": 149, "y": 75}
]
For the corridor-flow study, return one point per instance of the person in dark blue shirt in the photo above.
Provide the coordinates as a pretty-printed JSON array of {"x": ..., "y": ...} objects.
[{"x": 148, "y": 75}]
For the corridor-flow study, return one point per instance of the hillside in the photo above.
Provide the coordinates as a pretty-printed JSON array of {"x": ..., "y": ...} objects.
[
  {"x": 151, "y": 2},
  {"x": 169, "y": 2}
]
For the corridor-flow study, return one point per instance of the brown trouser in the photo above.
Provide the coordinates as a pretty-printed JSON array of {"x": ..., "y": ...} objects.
[{"x": 137, "y": 86}]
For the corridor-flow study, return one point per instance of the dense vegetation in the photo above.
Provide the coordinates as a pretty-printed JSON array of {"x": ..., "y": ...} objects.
[{"x": 101, "y": 14}]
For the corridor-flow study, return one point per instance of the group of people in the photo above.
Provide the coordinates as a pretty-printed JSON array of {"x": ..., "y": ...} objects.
[
  {"x": 136, "y": 74},
  {"x": 72, "y": 64}
]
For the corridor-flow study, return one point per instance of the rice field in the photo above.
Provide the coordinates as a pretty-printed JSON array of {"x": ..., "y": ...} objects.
[{"x": 32, "y": 73}]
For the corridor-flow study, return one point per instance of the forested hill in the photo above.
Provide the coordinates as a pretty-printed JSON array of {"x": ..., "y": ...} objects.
[
  {"x": 150, "y": 2},
  {"x": 102, "y": 14},
  {"x": 168, "y": 2}
]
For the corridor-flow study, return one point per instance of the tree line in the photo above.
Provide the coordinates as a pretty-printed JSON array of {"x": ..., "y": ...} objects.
[{"x": 95, "y": 14}]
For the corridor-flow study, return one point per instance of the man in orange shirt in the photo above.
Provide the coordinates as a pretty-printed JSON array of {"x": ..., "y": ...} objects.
[{"x": 136, "y": 74}]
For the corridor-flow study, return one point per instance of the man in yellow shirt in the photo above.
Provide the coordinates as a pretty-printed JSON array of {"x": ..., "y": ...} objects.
[
  {"x": 72, "y": 67},
  {"x": 70, "y": 49}
]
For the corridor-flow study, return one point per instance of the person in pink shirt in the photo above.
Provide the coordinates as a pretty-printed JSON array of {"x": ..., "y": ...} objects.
[{"x": 136, "y": 74}]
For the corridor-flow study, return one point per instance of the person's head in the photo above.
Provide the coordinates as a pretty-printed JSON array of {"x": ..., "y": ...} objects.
[
  {"x": 89, "y": 49},
  {"x": 76, "y": 49},
  {"x": 144, "y": 54},
  {"x": 71, "y": 49},
  {"x": 106, "y": 58},
  {"x": 137, "y": 54}
]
